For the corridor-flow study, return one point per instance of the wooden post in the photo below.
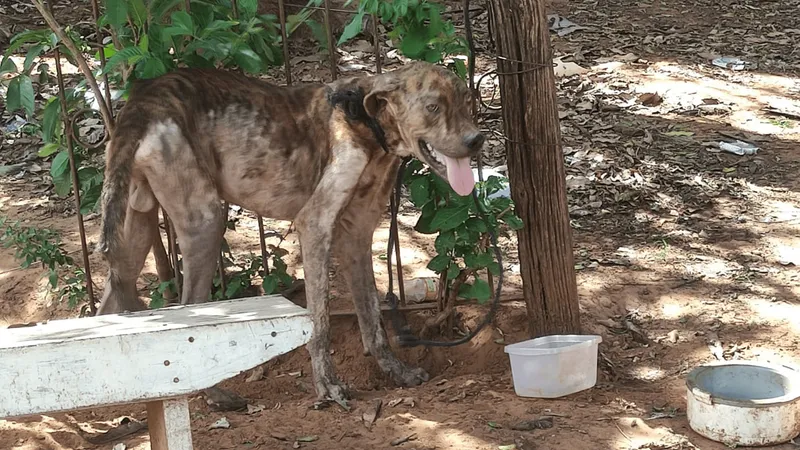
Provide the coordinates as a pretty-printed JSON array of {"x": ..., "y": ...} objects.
[
  {"x": 536, "y": 165},
  {"x": 169, "y": 424}
]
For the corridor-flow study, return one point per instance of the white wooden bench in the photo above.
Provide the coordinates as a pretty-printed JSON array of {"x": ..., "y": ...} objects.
[{"x": 157, "y": 357}]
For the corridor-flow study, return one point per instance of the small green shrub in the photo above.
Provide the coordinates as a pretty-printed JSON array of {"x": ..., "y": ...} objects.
[{"x": 42, "y": 246}]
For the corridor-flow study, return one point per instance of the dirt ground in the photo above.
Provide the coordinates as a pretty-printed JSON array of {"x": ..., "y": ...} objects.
[{"x": 685, "y": 253}]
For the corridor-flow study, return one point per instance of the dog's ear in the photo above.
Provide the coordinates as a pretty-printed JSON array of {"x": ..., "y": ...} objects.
[{"x": 380, "y": 95}]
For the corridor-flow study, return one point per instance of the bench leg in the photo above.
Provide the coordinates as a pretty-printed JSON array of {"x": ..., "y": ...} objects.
[{"x": 169, "y": 424}]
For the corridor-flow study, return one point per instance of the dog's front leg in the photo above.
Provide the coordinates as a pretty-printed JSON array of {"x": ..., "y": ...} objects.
[
  {"x": 354, "y": 248},
  {"x": 315, "y": 226}
]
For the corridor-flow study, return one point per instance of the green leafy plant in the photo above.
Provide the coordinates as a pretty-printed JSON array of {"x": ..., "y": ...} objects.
[
  {"x": 418, "y": 30},
  {"x": 90, "y": 180},
  {"x": 74, "y": 287},
  {"x": 157, "y": 293},
  {"x": 462, "y": 242},
  {"x": 239, "y": 282},
  {"x": 277, "y": 278},
  {"x": 21, "y": 94},
  {"x": 153, "y": 38},
  {"x": 42, "y": 246}
]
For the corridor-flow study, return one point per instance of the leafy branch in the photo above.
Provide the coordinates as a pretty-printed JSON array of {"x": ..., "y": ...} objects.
[
  {"x": 417, "y": 30},
  {"x": 79, "y": 59},
  {"x": 149, "y": 43}
]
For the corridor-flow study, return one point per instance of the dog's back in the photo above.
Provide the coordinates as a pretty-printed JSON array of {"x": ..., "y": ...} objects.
[{"x": 238, "y": 133}]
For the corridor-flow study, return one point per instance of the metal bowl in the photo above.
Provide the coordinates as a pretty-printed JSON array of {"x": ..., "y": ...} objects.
[{"x": 744, "y": 403}]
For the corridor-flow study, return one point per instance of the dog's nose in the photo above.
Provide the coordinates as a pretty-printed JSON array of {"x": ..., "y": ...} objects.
[{"x": 474, "y": 141}]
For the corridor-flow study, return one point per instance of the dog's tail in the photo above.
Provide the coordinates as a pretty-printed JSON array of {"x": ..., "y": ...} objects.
[{"x": 114, "y": 197}]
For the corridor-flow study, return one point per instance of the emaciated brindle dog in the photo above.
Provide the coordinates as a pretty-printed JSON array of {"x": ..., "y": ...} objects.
[{"x": 192, "y": 138}]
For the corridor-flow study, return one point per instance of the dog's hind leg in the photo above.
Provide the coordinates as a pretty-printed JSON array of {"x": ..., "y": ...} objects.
[
  {"x": 163, "y": 265},
  {"x": 315, "y": 226},
  {"x": 141, "y": 226},
  {"x": 200, "y": 240},
  {"x": 198, "y": 219},
  {"x": 188, "y": 194}
]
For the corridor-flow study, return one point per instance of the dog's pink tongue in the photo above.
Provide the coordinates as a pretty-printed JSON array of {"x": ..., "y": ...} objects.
[{"x": 459, "y": 175}]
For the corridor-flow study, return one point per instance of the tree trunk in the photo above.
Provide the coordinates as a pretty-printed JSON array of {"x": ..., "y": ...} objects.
[{"x": 536, "y": 165}]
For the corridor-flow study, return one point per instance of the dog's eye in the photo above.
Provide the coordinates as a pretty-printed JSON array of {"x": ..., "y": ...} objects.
[{"x": 432, "y": 108}]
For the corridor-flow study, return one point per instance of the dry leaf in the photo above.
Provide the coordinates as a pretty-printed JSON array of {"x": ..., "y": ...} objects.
[
  {"x": 371, "y": 414},
  {"x": 566, "y": 69},
  {"x": 673, "y": 336},
  {"x": 678, "y": 133},
  {"x": 222, "y": 423},
  {"x": 256, "y": 375},
  {"x": 650, "y": 99},
  {"x": 395, "y": 402},
  {"x": 252, "y": 409}
]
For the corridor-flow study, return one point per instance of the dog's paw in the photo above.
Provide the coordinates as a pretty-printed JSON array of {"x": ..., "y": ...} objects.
[
  {"x": 406, "y": 376},
  {"x": 332, "y": 389}
]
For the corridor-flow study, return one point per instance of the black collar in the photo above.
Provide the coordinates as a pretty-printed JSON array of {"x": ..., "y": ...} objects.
[{"x": 352, "y": 103}]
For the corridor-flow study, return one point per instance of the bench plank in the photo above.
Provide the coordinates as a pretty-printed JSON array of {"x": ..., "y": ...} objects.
[{"x": 72, "y": 364}]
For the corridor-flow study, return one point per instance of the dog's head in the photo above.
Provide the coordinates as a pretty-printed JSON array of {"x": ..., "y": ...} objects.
[{"x": 425, "y": 112}]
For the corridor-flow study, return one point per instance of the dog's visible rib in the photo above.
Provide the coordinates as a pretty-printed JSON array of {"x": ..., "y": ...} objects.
[{"x": 190, "y": 139}]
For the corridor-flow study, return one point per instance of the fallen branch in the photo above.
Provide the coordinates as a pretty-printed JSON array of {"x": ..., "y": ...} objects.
[
  {"x": 82, "y": 64},
  {"x": 735, "y": 137},
  {"x": 784, "y": 113}
]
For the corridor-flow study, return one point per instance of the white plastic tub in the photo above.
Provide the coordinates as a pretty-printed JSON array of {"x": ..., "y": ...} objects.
[
  {"x": 741, "y": 403},
  {"x": 554, "y": 366}
]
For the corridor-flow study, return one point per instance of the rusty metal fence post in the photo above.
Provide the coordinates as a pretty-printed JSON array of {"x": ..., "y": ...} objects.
[
  {"x": 87, "y": 270},
  {"x": 474, "y": 93},
  {"x": 68, "y": 122},
  {"x": 99, "y": 38},
  {"x": 288, "y": 72},
  {"x": 331, "y": 44}
]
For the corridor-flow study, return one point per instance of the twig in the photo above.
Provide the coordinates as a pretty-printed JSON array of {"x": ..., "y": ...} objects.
[
  {"x": 461, "y": 11},
  {"x": 688, "y": 282},
  {"x": 470, "y": 58},
  {"x": 622, "y": 432},
  {"x": 768, "y": 222},
  {"x": 403, "y": 439},
  {"x": 783, "y": 113},
  {"x": 82, "y": 64},
  {"x": 733, "y": 136}
]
